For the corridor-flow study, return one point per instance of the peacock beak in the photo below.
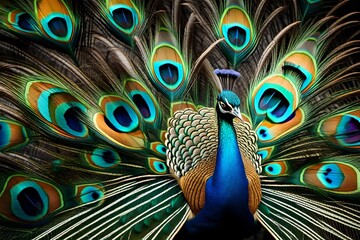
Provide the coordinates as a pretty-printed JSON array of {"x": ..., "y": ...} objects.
[{"x": 236, "y": 112}]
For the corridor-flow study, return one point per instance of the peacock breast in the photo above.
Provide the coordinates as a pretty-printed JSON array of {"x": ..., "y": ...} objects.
[
  {"x": 193, "y": 184},
  {"x": 192, "y": 148}
]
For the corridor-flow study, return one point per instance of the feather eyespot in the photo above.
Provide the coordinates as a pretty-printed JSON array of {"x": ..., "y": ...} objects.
[
  {"x": 276, "y": 169},
  {"x": 55, "y": 20},
  {"x": 236, "y": 28},
  {"x": 121, "y": 115},
  {"x": 119, "y": 122},
  {"x": 277, "y": 98},
  {"x": 333, "y": 176},
  {"x": 342, "y": 129},
  {"x": 158, "y": 148},
  {"x": 168, "y": 69},
  {"x": 157, "y": 166},
  {"x": 56, "y": 107},
  {"x": 144, "y": 101},
  {"x": 28, "y": 199},
  {"x": 91, "y": 193},
  {"x": 22, "y": 21},
  {"x": 124, "y": 15},
  {"x": 103, "y": 158}
]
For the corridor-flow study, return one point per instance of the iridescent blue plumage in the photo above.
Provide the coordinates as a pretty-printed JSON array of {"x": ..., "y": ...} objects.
[{"x": 226, "y": 211}]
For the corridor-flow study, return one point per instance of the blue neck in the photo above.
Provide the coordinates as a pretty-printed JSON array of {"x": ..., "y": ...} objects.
[
  {"x": 226, "y": 208},
  {"x": 229, "y": 177}
]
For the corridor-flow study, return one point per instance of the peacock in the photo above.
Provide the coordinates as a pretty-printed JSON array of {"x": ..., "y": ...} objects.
[{"x": 181, "y": 119}]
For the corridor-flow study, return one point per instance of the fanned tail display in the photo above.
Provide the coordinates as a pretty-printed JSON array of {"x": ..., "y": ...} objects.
[{"x": 183, "y": 119}]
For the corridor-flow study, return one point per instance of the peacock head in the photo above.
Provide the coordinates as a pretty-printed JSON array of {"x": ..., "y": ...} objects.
[{"x": 228, "y": 105}]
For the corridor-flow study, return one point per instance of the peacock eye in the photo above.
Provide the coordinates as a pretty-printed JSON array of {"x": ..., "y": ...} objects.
[
  {"x": 222, "y": 105},
  {"x": 225, "y": 106}
]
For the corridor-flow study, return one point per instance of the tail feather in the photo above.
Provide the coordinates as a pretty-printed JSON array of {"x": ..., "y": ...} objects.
[{"x": 106, "y": 106}]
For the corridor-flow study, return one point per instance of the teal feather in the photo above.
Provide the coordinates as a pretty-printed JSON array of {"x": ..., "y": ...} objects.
[{"x": 125, "y": 119}]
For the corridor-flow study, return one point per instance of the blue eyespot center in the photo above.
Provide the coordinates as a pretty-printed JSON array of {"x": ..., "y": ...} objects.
[
  {"x": 58, "y": 27},
  {"x": 348, "y": 130},
  {"x": 95, "y": 195},
  {"x": 30, "y": 201},
  {"x": 237, "y": 36},
  {"x": 169, "y": 73},
  {"x": 160, "y": 166},
  {"x": 122, "y": 116},
  {"x": 24, "y": 21},
  {"x": 104, "y": 158},
  {"x": 91, "y": 194},
  {"x": 72, "y": 119},
  {"x": 123, "y": 17},
  {"x": 109, "y": 157},
  {"x": 161, "y": 149},
  {"x": 273, "y": 169},
  {"x": 331, "y": 176},
  {"x": 264, "y": 133},
  {"x": 274, "y": 101},
  {"x": 141, "y": 105}
]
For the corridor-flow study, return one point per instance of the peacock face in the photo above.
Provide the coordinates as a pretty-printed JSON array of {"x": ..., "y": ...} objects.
[{"x": 229, "y": 104}]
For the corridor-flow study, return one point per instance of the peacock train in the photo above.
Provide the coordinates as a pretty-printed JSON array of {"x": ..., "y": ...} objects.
[{"x": 179, "y": 119}]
